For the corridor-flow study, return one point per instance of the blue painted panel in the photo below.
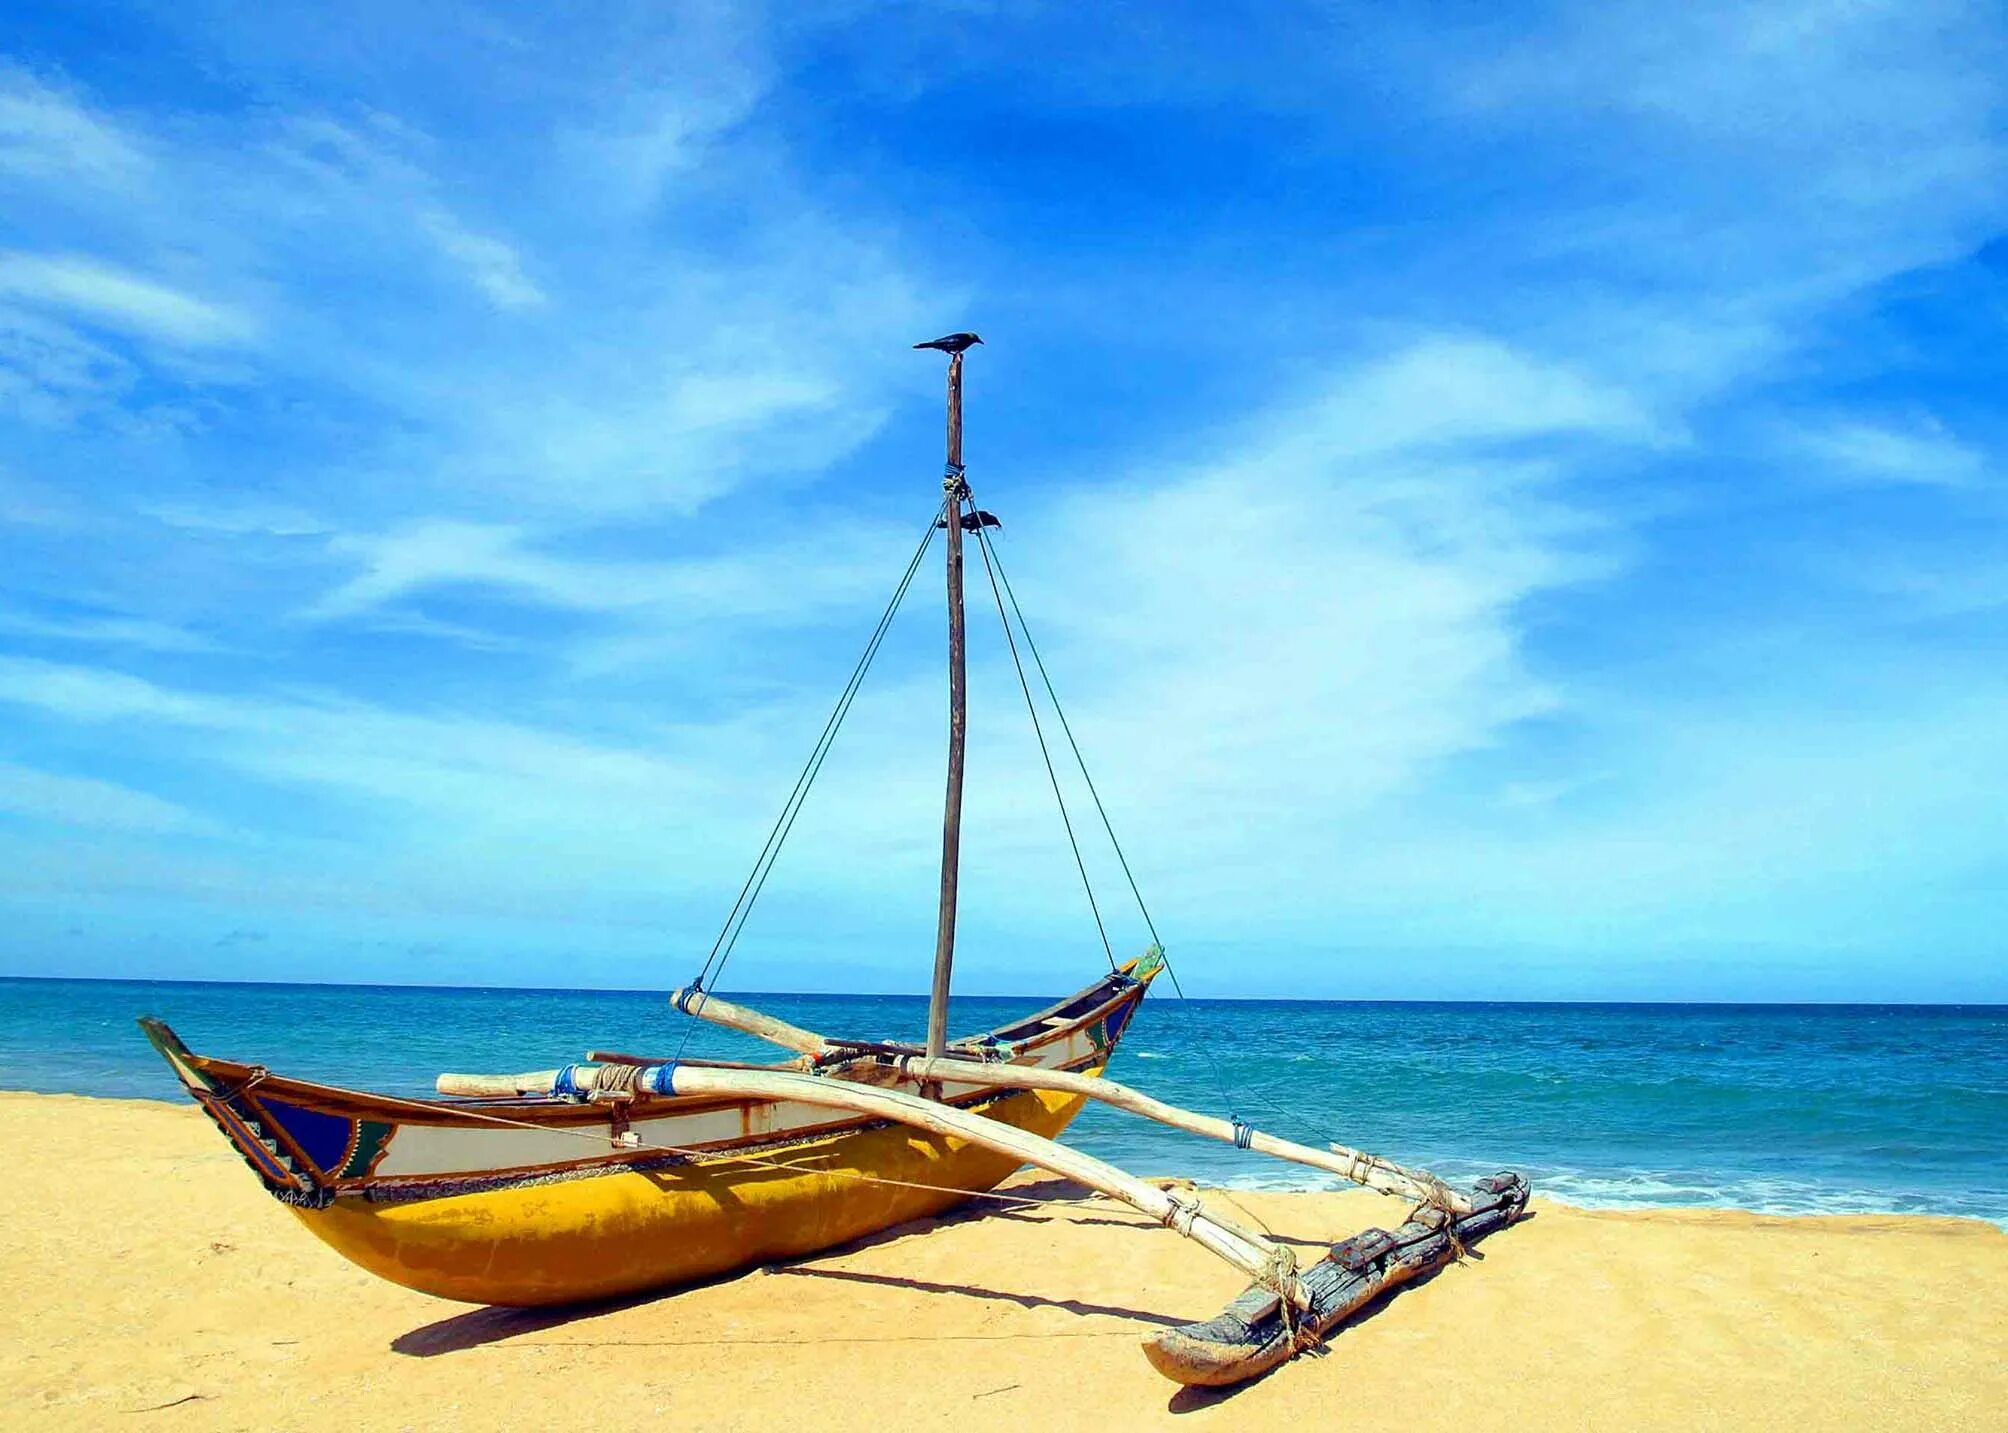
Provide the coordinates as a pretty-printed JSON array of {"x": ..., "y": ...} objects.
[{"x": 324, "y": 1137}]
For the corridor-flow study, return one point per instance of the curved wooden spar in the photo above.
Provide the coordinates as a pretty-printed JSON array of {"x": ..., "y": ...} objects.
[
  {"x": 1244, "y": 1249},
  {"x": 1380, "y": 1175},
  {"x": 705, "y": 1006}
]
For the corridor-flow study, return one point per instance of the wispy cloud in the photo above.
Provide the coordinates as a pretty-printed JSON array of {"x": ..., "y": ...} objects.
[
  {"x": 47, "y": 134},
  {"x": 1920, "y": 451},
  {"x": 107, "y": 631},
  {"x": 98, "y": 805},
  {"x": 492, "y": 265},
  {"x": 119, "y": 299}
]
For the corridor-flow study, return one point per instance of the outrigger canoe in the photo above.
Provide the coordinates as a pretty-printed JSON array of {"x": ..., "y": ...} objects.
[
  {"x": 552, "y": 1199},
  {"x": 626, "y": 1173}
]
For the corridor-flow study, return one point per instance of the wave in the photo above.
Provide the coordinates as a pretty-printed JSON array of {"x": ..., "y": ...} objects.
[{"x": 1649, "y": 1189}]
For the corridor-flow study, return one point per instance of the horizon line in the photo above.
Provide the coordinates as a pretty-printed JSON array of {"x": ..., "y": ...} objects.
[{"x": 981, "y": 995}]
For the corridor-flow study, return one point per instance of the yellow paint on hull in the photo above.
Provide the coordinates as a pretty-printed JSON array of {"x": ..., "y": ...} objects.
[{"x": 626, "y": 1231}]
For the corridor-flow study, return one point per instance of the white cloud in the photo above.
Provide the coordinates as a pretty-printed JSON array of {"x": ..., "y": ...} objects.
[
  {"x": 493, "y": 266},
  {"x": 119, "y": 299},
  {"x": 657, "y": 604},
  {"x": 108, "y": 631},
  {"x": 84, "y": 802},
  {"x": 1920, "y": 452},
  {"x": 45, "y": 134}
]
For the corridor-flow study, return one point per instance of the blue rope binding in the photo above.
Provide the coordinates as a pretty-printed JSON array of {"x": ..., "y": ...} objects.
[{"x": 566, "y": 1086}]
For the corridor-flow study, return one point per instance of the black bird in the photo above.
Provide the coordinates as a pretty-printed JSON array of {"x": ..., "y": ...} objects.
[{"x": 954, "y": 343}]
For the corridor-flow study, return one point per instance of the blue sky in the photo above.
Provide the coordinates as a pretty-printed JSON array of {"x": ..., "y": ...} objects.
[{"x": 1512, "y": 495}]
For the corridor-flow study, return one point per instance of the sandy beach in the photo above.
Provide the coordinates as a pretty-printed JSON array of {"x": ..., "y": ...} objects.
[{"x": 150, "y": 1283}]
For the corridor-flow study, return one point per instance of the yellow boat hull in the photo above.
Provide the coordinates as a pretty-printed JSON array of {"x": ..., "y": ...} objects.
[{"x": 623, "y": 1231}]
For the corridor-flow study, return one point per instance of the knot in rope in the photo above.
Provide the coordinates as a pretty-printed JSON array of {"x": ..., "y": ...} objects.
[
  {"x": 254, "y": 1077},
  {"x": 1279, "y": 1276},
  {"x": 1181, "y": 1213},
  {"x": 1437, "y": 1212}
]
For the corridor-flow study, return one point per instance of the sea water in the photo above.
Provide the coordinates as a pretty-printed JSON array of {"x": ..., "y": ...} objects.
[{"x": 1780, "y": 1108}]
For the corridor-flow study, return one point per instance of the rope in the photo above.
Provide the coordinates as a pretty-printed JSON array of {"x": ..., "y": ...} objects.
[
  {"x": 990, "y": 556},
  {"x": 1031, "y": 706},
  {"x": 1079, "y": 760},
  {"x": 1279, "y": 1276},
  {"x": 1180, "y": 1212},
  {"x": 770, "y": 852}
]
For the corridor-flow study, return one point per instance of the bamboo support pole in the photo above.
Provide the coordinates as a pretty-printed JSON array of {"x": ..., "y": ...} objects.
[
  {"x": 705, "y": 1006},
  {"x": 498, "y": 1087},
  {"x": 1380, "y": 1175},
  {"x": 1245, "y": 1250}
]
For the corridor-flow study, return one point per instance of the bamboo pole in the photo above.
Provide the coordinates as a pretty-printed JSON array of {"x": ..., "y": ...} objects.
[
  {"x": 1245, "y": 1250},
  {"x": 706, "y": 1006},
  {"x": 1380, "y": 1175},
  {"x": 498, "y": 1087}
]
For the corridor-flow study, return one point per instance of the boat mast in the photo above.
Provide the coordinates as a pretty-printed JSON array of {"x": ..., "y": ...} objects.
[{"x": 957, "y": 495}]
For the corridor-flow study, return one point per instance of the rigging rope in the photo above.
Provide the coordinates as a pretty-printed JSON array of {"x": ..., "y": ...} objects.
[
  {"x": 1038, "y": 730},
  {"x": 1203, "y": 1044},
  {"x": 1079, "y": 760},
  {"x": 994, "y": 563},
  {"x": 770, "y": 852}
]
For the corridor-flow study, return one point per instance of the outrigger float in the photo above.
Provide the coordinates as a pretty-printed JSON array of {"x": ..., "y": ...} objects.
[{"x": 623, "y": 1173}]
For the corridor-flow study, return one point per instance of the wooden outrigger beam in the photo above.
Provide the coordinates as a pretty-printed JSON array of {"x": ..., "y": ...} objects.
[
  {"x": 705, "y": 1006},
  {"x": 1271, "y": 1266},
  {"x": 1380, "y": 1175}
]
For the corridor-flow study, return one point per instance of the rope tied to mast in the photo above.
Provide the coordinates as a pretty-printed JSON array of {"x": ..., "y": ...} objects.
[{"x": 791, "y": 809}]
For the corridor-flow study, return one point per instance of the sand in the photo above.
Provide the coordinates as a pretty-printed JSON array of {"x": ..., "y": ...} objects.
[{"x": 149, "y": 1283}]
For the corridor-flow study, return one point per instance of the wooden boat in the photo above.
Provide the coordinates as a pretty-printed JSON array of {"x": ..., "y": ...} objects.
[
  {"x": 625, "y": 1173},
  {"x": 546, "y": 1199}
]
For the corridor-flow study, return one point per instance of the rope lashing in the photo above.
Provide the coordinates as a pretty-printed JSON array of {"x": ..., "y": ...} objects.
[
  {"x": 1244, "y": 1133},
  {"x": 1182, "y": 1211},
  {"x": 254, "y": 1077},
  {"x": 1279, "y": 1276},
  {"x": 617, "y": 1079},
  {"x": 1436, "y": 1213},
  {"x": 566, "y": 1085}
]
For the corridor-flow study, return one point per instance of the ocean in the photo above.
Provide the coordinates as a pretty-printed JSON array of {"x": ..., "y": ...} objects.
[{"x": 1789, "y": 1109}]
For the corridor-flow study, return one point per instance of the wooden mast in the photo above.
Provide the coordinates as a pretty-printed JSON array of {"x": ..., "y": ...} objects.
[{"x": 958, "y": 702}]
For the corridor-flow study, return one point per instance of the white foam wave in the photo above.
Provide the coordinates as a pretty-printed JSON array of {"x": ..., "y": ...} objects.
[{"x": 1647, "y": 1189}]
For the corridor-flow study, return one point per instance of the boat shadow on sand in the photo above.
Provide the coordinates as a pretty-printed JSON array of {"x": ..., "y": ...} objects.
[
  {"x": 478, "y": 1327},
  {"x": 481, "y": 1326}
]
